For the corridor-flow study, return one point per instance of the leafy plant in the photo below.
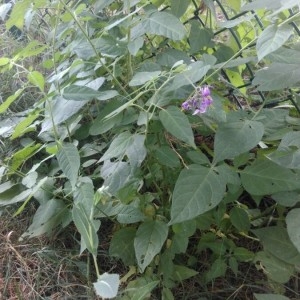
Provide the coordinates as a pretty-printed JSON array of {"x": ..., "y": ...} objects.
[{"x": 133, "y": 126}]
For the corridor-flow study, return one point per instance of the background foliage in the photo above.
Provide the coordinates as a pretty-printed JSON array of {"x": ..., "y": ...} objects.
[{"x": 105, "y": 140}]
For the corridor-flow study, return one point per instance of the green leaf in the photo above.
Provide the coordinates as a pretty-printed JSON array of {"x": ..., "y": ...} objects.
[
  {"x": 197, "y": 190},
  {"x": 277, "y": 76},
  {"x": 264, "y": 177},
  {"x": 24, "y": 125},
  {"x": 107, "y": 285},
  {"x": 182, "y": 273},
  {"x": 46, "y": 218},
  {"x": 275, "y": 240},
  {"x": 143, "y": 291},
  {"x": 171, "y": 56},
  {"x": 239, "y": 219},
  {"x": 270, "y": 297},
  {"x": 5, "y": 105},
  {"x": 243, "y": 254},
  {"x": 167, "y": 157},
  {"x": 148, "y": 242},
  {"x": 272, "y": 38},
  {"x": 276, "y": 269},
  {"x": 84, "y": 194},
  {"x": 101, "y": 124},
  {"x": 136, "y": 152},
  {"x": 141, "y": 78},
  {"x": 69, "y": 161},
  {"x": 135, "y": 45},
  {"x": 86, "y": 226},
  {"x": 80, "y": 93},
  {"x": 22, "y": 155},
  {"x": 122, "y": 245},
  {"x": 178, "y": 7},
  {"x": 235, "y": 138},
  {"x": 195, "y": 71},
  {"x": 4, "y": 61},
  {"x": 288, "y": 152},
  {"x": 199, "y": 37},
  {"x": 217, "y": 269},
  {"x": 118, "y": 147},
  {"x": 37, "y": 79},
  {"x": 16, "y": 17},
  {"x": 293, "y": 225},
  {"x": 165, "y": 24},
  {"x": 287, "y": 199},
  {"x": 129, "y": 214},
  {"x": 59, "y": 110},
  {"x": 177, "y": 123}
]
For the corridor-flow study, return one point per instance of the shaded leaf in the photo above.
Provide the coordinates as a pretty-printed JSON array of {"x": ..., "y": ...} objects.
[
  {"x": 177, "y": 123},
  {"x": 69, "y": 161},
  {"x": 235, "y": 138},
  {"x": 122, "y": 246},
  {"x": 293, "y": 227},
  {"x": 264, "y": 177},
  {"x": 148, "y": 242},
  {"x": 165, "y": 24},
  {"x": 272, "y": 38},
  {"x": 275, "y": 240},
  {"x": 270, "y": 297}
]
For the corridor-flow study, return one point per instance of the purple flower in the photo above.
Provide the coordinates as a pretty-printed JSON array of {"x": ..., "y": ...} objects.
[{"x": 200, "y": 101}]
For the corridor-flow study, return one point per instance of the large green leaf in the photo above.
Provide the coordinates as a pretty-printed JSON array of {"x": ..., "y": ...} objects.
[
  {"x": 277, "y": 76},
  {"x": 276, "y": 269},
  {"x": 84, "y": 194},
  {"x": 59, "y": 110},
  {"x": 275, "y": 240},
  {"x": 80, "y": 93},
  {"x": 177, "y": 123},
  {"x": 288, "y": 151},
  {"x": 165, "y": 24},
  {"x": 121, "y": 245},
  {"x": 293, "y": 227},
  {"x": 69, "y": 161},
  {"x": 272, "y": 38},
  {"x": 127, "y": 144},
  {"x": 194, "y": 73},
  {"x": 107, "y": 285},
  {"x": 197, "y": 190},
  {"x": 148, "y": 242},
  {"x": 141, "y": 78},
  {"x": 178, "y": 7},
  {"x": 270, "y": 297},
  {"x": 265, "y": 177},
  {"x": 48, "y": 216},
  {"x": 87, "y": 228},
  {"x": 235, "y": 138}
]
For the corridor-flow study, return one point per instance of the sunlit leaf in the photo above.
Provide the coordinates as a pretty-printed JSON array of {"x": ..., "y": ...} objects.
[
  {"x": 107, "y": 285},
  {"x": 37, "y": 79}
]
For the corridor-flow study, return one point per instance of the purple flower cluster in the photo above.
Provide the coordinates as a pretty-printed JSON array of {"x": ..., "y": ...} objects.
[{"x": 199, "y": 102}]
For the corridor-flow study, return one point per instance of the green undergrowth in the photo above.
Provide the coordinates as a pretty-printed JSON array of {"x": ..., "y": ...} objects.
[{"x": 158, "y": 143}]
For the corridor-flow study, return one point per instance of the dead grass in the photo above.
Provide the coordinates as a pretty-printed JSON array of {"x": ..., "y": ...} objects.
[{"x": 34, "y": 270}]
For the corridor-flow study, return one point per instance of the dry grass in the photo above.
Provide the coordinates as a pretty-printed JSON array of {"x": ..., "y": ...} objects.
[{"x": 34, "y": 270}]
